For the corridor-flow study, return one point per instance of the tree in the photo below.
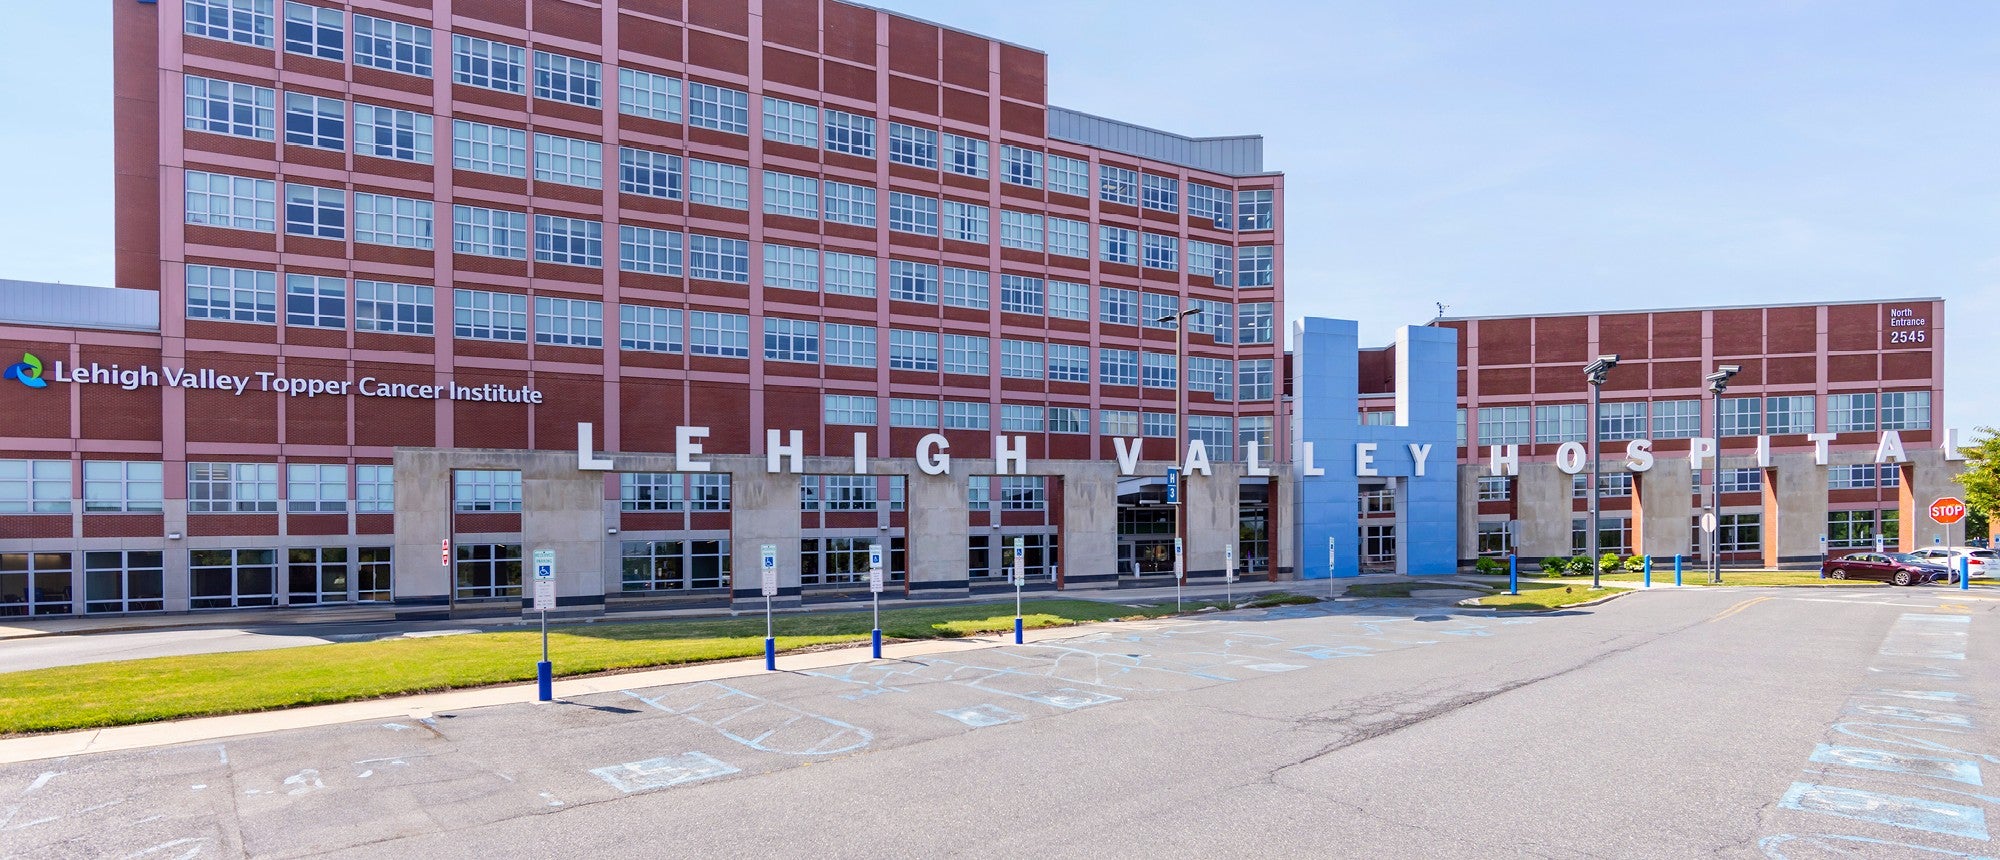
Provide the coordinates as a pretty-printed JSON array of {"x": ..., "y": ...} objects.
[{"x": 1981, "y": 478}]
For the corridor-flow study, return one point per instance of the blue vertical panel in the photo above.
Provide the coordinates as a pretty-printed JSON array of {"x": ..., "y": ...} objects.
[{"x": 1327, "y": 384}]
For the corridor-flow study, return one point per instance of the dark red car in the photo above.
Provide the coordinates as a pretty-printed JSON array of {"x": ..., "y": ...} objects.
[{"x": 1900, "y": 568}]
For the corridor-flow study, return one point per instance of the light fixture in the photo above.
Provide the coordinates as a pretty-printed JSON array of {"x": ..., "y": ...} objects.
[
  {"x": 173, "y": 535},
  {"x": 611, "y": 531}
]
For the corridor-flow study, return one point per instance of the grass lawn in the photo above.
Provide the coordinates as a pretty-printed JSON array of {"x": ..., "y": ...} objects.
[
  {"x": 1547, "y": 594},
  {"x": 164, "y": 688}
]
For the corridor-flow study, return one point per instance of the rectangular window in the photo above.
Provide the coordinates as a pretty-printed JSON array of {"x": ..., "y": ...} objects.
[
  {"x": 1850, "y": 529},
  {"x": 1157, "y": 370},
  {"x": 1117, "y": 307},
  {"x": 909, "y": 213},
  {"x": 393, "y": 308},
  {"x": 644, "y": 328},
  {"x": 913, "y": 350},
  {"x": 791, "y": 268},
  {"x": 568, "y": 79},
  {"x": 489, "y": 232},
  {"x": 1022, "y": 359},
  {"x": 1117, "y": 367},
  {"x": 649, "y": 95},
  {"x": 1742, "y": 416},
  {"x": 1209, "y": 206},
  {"x": 1025, "y": 419},
  {"x": 718, "y": 184},
  {"x": 569, "y": 241},
  {"x": 569, "y": 322},
  {"x": 227, "y": 107},
  {"x": 249, "y": 22},
  {"x": 1564, "y": 422},
  {"x": 713, "y": 258},
  {"x": 37, "y": 486},
  {"x": 224, "y": 578},
  {"x": 1216, "y": 319},
  {"x": 374, "y": 489},
  {"x": 1069, "y": 419},
  {"x": 967, "y": 415},
  {"x": 849, "y": 274},
  {"x": 726, "y": 335},
  {"x": 1117, "y": 185},
  {"x": 785, "y": 194},
  {"x": 1214, "y": 434},
  {"x": 392, "y": 45},
  {"x": 486, "y": 491},
  {"x": 1676, "y": 419},
  {"x": 849, "y": 409},
  {"x": 1742, "y": 480},
  {"x": 316, "y": 488},
  {"x": 1158, "y": 310},
  {"x": 791, "y": 340},
  {"x": 650, "y": 491},
  {"x": 645, "y": 249},
  {"x": 488, "y": 64},
  {"x": 913, "y": 146},
  {"x": 719, "y": 108},
  {"x": 1740, "y": 533},
  {"x": 569, "y": 161},
  {"x": 231, "y": 295},
  {"x": 1788, "y": 415},
  {"x": 846, "y": 132},
  {"x": 400, "y": 221},
  {"x": 791, "y": 122},
  {"x": 1254, "y": 379},
  {"x": 1021, "y": 295},
  {"x": 392, "y": 133},
  {"x": 1069, "y": 238},
  {"x": 850, "y": 204},
  {"x": 1158, "y": 425},
  {"x": 913, "y": 282},
  {"x": 1069, "y": 175},
  {"x": 1253, "y": 210},
  {"x": 1217, "y": 376},
  {"x": 964, "y": 222},
  {"x": 482, "y": 315},
  {"x": 849, "y": 345},
  {"x": 966, "y": 288},
  {"x": 236, "y": 202},
  {"x": 1255, "y": 266},
  {"x": 920, "y": 414},
  {"x": 1495, "y": 488},
  {"x": 1069, "y": 301},
  {"x": 1212, "y": 261},
  {"x": 1020, "y": 230},
  {"x": 965, "y": 156},
  {"x": 489, "y": 148},
  {"x": 315, "y": 301},
  {"x": 649, "y": 173},
  {"x": 1161, "y": 252},
  {"x": 1620, "y": 421},
  {"x": 1111, "y": 422},
  {"x": 1117, "y": 244},
  {"x": 1254, "y": 323},
  {"x": 966, "y": 354},
  {"x": 119, "y": 486},
  {"x": 1503, "y": 425},
  {"x": 1906, "y": 410},
  {"x": 1069, "y": 363},
  {"x": 215, "y": 488},
  {"x": 1020, "y": 166},
  {"x": 317, "y": 212},
  {"x": 1160, "y": 193},
  {"x": 315, "y": 121},
  {"x": 487, "y": 570},
  {"x": 1850, "y": 413}
]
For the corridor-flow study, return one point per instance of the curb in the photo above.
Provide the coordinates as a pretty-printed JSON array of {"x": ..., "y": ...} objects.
[{"x": 1505, "y": 611}]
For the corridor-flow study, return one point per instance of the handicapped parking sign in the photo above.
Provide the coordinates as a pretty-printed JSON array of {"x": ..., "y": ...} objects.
[{"x": 770, "y": 569}]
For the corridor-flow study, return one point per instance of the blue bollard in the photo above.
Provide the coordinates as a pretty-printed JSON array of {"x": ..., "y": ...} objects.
[
  {"x": 1513, "y": 574},
  {"x": 1677, "y": 571},
  {"x": 1649, "y": 571},
  {"x": 770, "y": 654},
  {"x": 1017, "y": 630},
  {"x": 878, "y": 643},
  {"x": 1964, "y": 573},
  {"x": 545, "y": 682}
]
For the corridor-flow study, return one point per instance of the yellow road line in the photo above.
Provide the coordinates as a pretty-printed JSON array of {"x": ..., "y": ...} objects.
[{"x": 1737, "y": 608}]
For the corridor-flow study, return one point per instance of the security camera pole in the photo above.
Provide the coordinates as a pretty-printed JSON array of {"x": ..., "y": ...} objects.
[
  {"x": 1595, "y": 373},
  {"x": 1718, "y": 382}
]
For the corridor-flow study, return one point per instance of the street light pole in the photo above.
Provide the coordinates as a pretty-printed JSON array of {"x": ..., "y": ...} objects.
[
  {"x": 1718, "y": 382},
  {"x": 1595, "y": 373},
  {"x": 1179, "y": 320}
]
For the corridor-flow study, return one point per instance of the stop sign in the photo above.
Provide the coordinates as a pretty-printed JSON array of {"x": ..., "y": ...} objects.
[{"x": 1947, "y": 510}]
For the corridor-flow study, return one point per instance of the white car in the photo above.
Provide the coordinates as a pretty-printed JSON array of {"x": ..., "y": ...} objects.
[{"x": 1981, "y": 563}]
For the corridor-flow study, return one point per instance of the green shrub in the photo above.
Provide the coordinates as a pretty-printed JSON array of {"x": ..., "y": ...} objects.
[
  {"x": 1554, "y": 565},
  {"x": 1579, "y": 564},
  {"x": 1610, "y": 562},
  {"x": 1487, "y": 565},
  {"x": 1636, "y": 564}
]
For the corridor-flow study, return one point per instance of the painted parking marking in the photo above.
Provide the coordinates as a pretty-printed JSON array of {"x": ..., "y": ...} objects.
[
  {"x": 1914, "y": 715},
  {"x": 1956, "y": 770},
  {"x": 1772, "y": 846},
  {"x": 663, "y": 772},
  {"x": 1923, "y": 695},
  {"x": 1069, "y": 698},
  {"x": 757, "y": 722},
  {"x": 1913, "y": 813},
  {"x": 1274, "y": 667},
  {"x": 981, "y": 716}
]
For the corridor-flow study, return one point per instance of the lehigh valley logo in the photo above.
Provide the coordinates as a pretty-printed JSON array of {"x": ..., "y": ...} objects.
[{"x": 28, "y": 371}]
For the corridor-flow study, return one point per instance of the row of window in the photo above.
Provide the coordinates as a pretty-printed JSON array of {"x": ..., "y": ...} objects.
[
  {"x": 1682, "y": 419},
  {"x": 118, "y": 486},
  {"x": 503, "y": 67},
  {"x": 45, "y": 583},
  {"x": 320, "y": 301},
  {"x": 1735, "y": 533},
  {"x": 1858, "y": 476}
]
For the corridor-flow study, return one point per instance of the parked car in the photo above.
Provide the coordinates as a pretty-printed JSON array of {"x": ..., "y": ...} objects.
[
  {"x": 1901, "y": 568},
  {"x": 1980, "y": 563}
]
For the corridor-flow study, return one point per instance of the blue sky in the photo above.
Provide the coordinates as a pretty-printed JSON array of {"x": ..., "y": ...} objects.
[{"x": 1497, "y": 157}]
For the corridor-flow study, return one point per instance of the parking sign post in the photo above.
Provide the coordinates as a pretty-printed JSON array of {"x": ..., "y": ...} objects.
[
  {"x": 875, "y": 592},
  {"x": 545, "y": 597},
  {"x": 1020, "y": 574},
  {"x": 1229, "y": 574},
  {"x": 770, "y": 588}
]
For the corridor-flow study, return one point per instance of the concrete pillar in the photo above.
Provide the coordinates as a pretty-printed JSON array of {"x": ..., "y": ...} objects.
[
  {"x": 1213, "y": 510},
  {"x": 935, "y": 545},
  {"x": 562, "y": 509},
  {"x": 1664, "y": 509},
  {"x": 1468, "y": 511},
  {"x": 1544, "y": 489},
  {"x": 420, "y": 580},
  {"x": 764, "y": 509},
  {"x": 1927, "y": 477},
  {"x": 1284, "y": 562},
  {"x": 1089, "y": 524},
  {"x": 1794, "y": 511}
]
